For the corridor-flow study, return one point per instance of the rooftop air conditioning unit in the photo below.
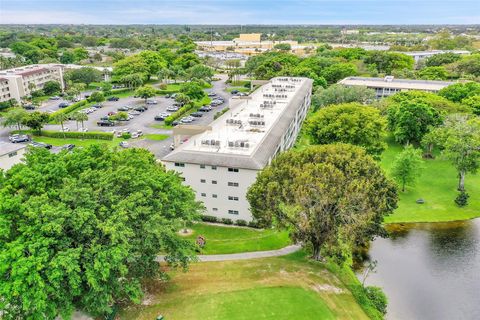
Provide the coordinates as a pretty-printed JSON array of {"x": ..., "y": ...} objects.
[{"x": 389, "y": 78}]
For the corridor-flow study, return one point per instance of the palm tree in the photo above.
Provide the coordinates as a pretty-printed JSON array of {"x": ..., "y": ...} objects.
[
  {"x": 81, "y": 117},
  {"x": 61, "y": 117}
]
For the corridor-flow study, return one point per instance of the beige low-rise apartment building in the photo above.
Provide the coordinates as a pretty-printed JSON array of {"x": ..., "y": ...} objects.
[
  {"x": 17, "y": 83},
  {"x": 387, "y": 86},
  {"x": 222, "y": 161}
]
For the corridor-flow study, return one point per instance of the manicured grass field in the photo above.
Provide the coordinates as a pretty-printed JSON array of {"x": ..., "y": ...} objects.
[
  {"x": 221, "y": 240},
  {"x": 156, "y": 136},
  {"x": 160, "y": 125},
  {"x": 77, "y": 142},
  {"x": 241, "y": 89},
  {"x": 282, "y": 288},
  {"x": 437, "y": 185}
]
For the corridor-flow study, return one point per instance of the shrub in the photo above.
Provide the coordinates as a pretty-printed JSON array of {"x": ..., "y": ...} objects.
[
  {"x": 163, "y": 86},
  {"x": 462, "y": 199},
  {"x": 37, "y": 93},
  {"x": 241, "y": 222},
  {"x": 73, "y": 107},
  {"x": 126, "y": 135},
  {"x": 227, "y": 221},
  {"x": 207, "y": 218},
  {"x": 253, "y": 224},
  {"x": 378, "y": 298}
]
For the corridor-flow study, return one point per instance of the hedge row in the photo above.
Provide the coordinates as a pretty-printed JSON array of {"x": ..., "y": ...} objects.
[
  {"x": 219, "y": 113},
  {"x": 228, "y": 221},
  {"x": 73, "y": 107},
  {"x": 77, "y": 135},
  {"x": 164, "y": 92},
  {"x": 174, "y": 116}
]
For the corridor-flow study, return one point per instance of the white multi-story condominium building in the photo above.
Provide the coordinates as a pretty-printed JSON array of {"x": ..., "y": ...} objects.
[
  {"x": 21, "y": 81},
  {"x": 389, "y": 85},
  {"x": 10, "y": 154},
  {"x": 222, "y": 162}
]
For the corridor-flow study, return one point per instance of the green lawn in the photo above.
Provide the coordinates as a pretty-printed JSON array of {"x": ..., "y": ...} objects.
[
  {"x": 273, "y": 288},
  {"x": 229, "y": 239},
  {"x": 437, "y": 186},
  {"x": 160, "y": 125},
  {"x": 241, "y": 89},
  {"x": 156, "y": 136},
  {"x": 77, "y": 142}
]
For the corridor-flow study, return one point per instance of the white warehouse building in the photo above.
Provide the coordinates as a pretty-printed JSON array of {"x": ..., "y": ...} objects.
[{"x": 222, "y": 162}]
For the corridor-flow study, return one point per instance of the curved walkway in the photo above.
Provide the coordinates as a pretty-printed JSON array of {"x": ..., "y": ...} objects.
[{"x": 244, "y": 255}]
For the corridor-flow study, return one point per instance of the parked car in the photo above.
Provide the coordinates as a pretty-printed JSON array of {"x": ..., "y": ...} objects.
[
  {"x": 98, "y": 106},
  {"x": 105, "y": 123},
  {"x": 173, "y": 96},
  {"x": 124, "y": 108},
  {"x": 68, "y": 147},
  {"x": 54, "y": 98},
  {"x": 167, "y": 95},
  {"x": 175, "y": 123},
  {"x": 196, "y": 114},
  {"x": 41, "y": 145},
  {"x": 29, "y": 107},
  {"x": 205, "y": 109},
  {"x": 16, "y": 138},
  {"x": 152, "y": 101},
  {"x": 123, "y": 144},
  {"x": 212, "y": 94},
  {"x": 134, "y": 113},
  {"x": 111, "y": 113},
  {"x": 66, "y": 129},
  {"x": 159, "y": 118},
  {"x": 234, "y": 91},
  {"x": 172, "y": 108},
  {"x": 140, "y": 109},
  {"x": 172, "y": 146},
  {"x": 113, "y": 98},
  {"x": 63, "y": 105}
]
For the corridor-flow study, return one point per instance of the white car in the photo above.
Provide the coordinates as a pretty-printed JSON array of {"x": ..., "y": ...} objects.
[
  {"x": 152, "y": 101},
  {"x": 134, "y": 113},
  {"x": 172, "y": 109},
  {"x": 123, "y": 144}
]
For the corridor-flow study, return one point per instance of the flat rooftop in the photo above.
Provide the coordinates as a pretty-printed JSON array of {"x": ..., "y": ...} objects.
[
  {"x": 249, "y": 133},
  {"x": 390, "y": 82},
  {"x": 6, "y": 148}
]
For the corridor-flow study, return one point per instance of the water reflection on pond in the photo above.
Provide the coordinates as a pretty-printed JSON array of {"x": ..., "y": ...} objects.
[{"x": 430, "y": 270}]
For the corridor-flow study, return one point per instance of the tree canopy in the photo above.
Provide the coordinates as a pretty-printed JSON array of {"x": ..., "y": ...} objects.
[
  {"x": 81, "y": 229},
  {"x": 331, "y": 197},
  {"x": 348, "y": 123},
  {"x": 336, "y": 94}
]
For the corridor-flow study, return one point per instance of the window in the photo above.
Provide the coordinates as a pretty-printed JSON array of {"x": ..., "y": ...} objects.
[
  {"x": 179, "y": 164},
  {"x": 202, "y": 180},
  {"x": 215, "y": 209},
  {"x": 233, "y": 212},
  {"x": 214, "y": 167},
  {"x": 232, "y": 169},
  {"x": 214, "y": 195},
  {"x": 232, "y": 198},
  {"x": 202, "y": 166},
  {"x": 12, "y": 154},
  {"x": 214, "y": 181},
  {"x": 203, "y": 194},
  {"x": 233, "y": 184}
]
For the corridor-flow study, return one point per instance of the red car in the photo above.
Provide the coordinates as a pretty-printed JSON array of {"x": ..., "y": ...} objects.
[{"x": 111, "y": 113}]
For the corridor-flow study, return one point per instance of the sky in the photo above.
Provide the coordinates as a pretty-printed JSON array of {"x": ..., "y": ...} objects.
[{"x": 239, "y": 12}]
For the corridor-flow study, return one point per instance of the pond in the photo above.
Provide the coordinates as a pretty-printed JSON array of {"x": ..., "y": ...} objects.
[{"x": 429, "y": 270}]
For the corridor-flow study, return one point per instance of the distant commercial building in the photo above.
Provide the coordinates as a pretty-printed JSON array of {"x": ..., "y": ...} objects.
[
  {"x": 16, "y": 83},
  {"x": 250, "y": 44},
  {"x": 420, "y": 55},
  {"x": 222, "y": 161},
  {"x": 10, "y": 154},
  {"x": 389, "y": 85}
]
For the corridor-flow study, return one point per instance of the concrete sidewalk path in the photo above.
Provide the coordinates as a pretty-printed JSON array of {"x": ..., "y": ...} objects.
[{"x": 244, "y": 255}]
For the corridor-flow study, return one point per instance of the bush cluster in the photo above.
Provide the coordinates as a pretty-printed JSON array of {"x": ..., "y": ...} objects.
[
  {"x": 218, "y": 114},
  {"x": 227, "y": 221},
  {"x": 239, "y": 222},
  {"x": 71, "y": 108}
]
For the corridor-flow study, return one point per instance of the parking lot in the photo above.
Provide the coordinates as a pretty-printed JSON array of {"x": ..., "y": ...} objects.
[{"x": 143, "y": 121}]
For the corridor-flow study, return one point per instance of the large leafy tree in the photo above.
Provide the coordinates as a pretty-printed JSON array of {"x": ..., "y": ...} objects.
[
  {"x": 200, "y": 72},
  {"x": 36, "y": 120},
  {"x": 52, "y": 87},
  {"x": 153, "y": 61},
  {"x": 14, "y": 117},
  {"x": 459, "y": 139},
  {"x": 407, "y": 166},
  {"x": 192, "y": 89},
  {"x": 386, "y": 62},
  {"x": 85, "y": 75},
  {"x": 411, "y": 120},
  {"x": 330, "y": 197},
  {"x": 146, "y": 92},
  {"x": 131, "y": 65},
  {"x": 337, "y": 94},
  {"x": 81, "y": 229},
  {"x": 349, "y": 123},
  {"x": 459, "y": 91}
]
